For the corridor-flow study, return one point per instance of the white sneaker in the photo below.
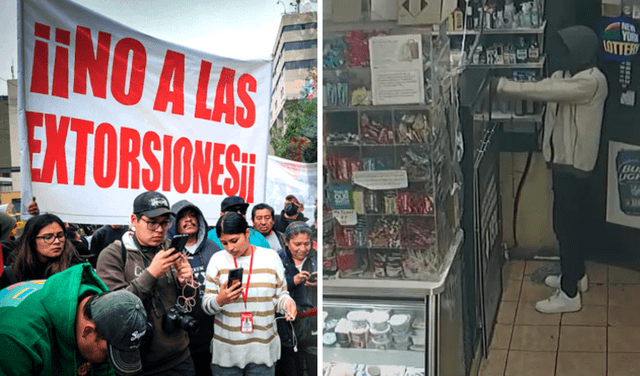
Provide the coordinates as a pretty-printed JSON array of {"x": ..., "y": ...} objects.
[
  {"x": 559, "y": 302},
  {"x": 554, "y": 281}
]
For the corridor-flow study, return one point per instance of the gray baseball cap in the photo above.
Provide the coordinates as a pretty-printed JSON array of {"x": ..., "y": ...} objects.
[
  {"x": 152, "y": 204},
  {"x": 121, "y": 319}
]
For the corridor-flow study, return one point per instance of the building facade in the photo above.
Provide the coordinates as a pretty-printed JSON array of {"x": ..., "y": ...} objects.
[{"x": 294, "y": 57}]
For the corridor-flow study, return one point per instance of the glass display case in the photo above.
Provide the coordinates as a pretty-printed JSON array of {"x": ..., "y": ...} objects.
[{"x": 392, "y": 214}]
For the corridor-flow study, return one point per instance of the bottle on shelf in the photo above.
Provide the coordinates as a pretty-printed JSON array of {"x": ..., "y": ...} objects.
[
  {"x": 521, "y": 51},
  {"x": 526, "y": 15},
  {"x": 535, "y": 14},
  {"x": 469, "y": 16},
  {"x": 611, "y": 8},
  {"x": 635, "y": 12},
  {"x": 509, "y": 14},
  {"x": 534, "y": 51},
  {"x": 627, "y": 8}
]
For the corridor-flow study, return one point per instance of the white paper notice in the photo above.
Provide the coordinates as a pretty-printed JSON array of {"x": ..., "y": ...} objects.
[
  {"x": 396, "y": 69},
  {"x": 379, "y": 180},
  {"x": 346, "y": 217}
]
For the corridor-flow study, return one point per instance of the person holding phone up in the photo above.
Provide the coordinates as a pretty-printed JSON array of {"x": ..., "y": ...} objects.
[
  {"x": 299, "y": 352},
  {"x": 245, "y": 340}
]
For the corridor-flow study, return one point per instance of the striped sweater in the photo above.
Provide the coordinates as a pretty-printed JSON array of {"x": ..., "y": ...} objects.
[{"x": 267, "y": 294}]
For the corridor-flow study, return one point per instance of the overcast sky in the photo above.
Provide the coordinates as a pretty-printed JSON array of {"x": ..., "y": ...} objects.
[{"x": 242, "y": 29}]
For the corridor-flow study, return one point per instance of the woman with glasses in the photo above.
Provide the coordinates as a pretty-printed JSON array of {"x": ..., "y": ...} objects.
[{"x": 42, "y": 251}]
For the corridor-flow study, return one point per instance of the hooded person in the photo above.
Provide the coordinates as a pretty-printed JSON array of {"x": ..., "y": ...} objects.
[
  {"x": 190, "y": 221},
  {"x": 71, "y": 325},
  {"x": 7, "y": 223},
  {"x": 575, "y": 95}
]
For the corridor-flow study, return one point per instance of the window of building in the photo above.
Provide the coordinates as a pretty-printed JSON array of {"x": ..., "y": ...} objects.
[
  {"x": 301, "y": 64},
  {"x": 306, "y": 26},
  {"x": 300, "y": 45}
]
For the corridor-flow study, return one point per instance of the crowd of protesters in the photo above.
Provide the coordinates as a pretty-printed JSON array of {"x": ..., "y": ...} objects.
[{"x": 195, "y": 321}]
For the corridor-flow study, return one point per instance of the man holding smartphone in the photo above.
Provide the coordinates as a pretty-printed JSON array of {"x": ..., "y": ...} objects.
[
  {"x": 190, "y": 222},
  {"x": 143, "y": 263}
]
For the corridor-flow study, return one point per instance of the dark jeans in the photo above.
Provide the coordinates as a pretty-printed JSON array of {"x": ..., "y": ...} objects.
[
  {"x": 572, "y": 206},
  {"x": 250, "y": 369},
  {"x": 184, "y": 368},
  {"x": 201, "y": 361},
  {"x": 295, "y": 363}
]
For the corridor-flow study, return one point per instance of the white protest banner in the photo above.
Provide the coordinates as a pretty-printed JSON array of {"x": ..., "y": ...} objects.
[
  {"x": 107, "y": 112},
  {"x": 288, "y": 177}
]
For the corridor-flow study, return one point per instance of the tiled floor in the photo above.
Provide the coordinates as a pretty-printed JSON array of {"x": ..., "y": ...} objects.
[{"x": 602, "y": 339}]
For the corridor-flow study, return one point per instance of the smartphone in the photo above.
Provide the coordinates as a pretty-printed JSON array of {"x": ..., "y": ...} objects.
[
  {"x": 235, "y": 274},
  {"x": 313, "y": 278},
  {"x": 178, "y": 243}
]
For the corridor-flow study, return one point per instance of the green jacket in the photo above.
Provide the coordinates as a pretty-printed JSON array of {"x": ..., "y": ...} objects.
[{"x": 37, "y": 337}]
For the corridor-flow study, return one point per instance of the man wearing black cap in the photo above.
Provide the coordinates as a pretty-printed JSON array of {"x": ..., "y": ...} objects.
[
  {"x": 72, "y": 326},
  {"x": 143, "y": 264},
  {"x": 238, "y": 205}
]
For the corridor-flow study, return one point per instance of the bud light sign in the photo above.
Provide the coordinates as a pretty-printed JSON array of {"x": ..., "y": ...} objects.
[
  {"x": 619, "y": 37},
  {"x": 628, "y": 167}
]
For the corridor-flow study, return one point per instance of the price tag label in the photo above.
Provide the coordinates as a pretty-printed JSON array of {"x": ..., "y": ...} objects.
[{"x": 346, "y": 217}]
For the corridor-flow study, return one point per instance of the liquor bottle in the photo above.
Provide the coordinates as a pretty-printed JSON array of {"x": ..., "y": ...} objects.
[
  {"x": 534, "y": 51},
  {"x": 635, "y": 13},
  {"x": 483, "y": 55},
  {"x": 509, "y": 14},
  {"x": 627, "y": 8},
  {"x": 535, "y": 14},
  {"x": 521, "y": 51},
  {"x": 469, "y": 16}
]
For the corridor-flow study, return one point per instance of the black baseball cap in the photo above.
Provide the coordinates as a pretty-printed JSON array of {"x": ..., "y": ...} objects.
[
  {"x": 232, "y": 202},
  {"x": 151, "y": 204},
  {"x": 121, "y": 319}
]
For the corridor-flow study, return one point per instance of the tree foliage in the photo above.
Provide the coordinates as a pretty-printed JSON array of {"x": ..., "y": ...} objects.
[{"x": 299, "y": 138}]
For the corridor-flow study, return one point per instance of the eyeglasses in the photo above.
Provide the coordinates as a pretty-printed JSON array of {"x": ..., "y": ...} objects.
[
  {"x": 153, "y": 226},
  {"x": 50, "y": 238}
]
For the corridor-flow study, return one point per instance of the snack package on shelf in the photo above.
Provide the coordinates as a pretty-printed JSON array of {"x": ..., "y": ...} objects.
[
  {"x": 385, "y": 234},
  {"x": 417, "y": 164},
  {"x": 420, "y": 264},
  {"x": 374, "y": 132},
  {"x": 329, "y": 260},
  {"x": 339, "y": 196},
  {"x": 342, "y": 167},
  {"x": 411, "y": 202},
  {"x": 413, "y": 129},
  {"x": 418, "y": 232}
]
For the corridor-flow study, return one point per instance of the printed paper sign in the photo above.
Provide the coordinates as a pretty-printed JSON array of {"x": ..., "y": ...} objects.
[
  {"x": 107, "y": 112},
  {"x": 346, "y": 217},
  {"x": 379, "y": 180}
]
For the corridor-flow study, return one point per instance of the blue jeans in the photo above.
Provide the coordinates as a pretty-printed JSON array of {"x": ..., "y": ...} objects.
[{"x": 250, "y": 369}]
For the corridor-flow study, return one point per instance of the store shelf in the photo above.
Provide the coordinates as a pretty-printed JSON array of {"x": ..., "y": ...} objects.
[
  {"x": 373, "y": 357},
  {"x": 509, "y": 117},
  {"x": 395, "y": 288},
  {"x": 523, "y": 30},
  {"x": 394, "y": 107},
  {"x": 537, "y": 65}
]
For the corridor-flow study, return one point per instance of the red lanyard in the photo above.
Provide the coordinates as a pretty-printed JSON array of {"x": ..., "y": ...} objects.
[{"x": 244, "y": 295}]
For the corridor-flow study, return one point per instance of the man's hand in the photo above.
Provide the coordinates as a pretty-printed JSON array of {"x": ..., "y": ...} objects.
[
  {"x": 184, "y": 271},
  {"x": 162, "y": 262},
  {"x": 33, "y": 207},
  {"x": 229, "y": 295}
]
